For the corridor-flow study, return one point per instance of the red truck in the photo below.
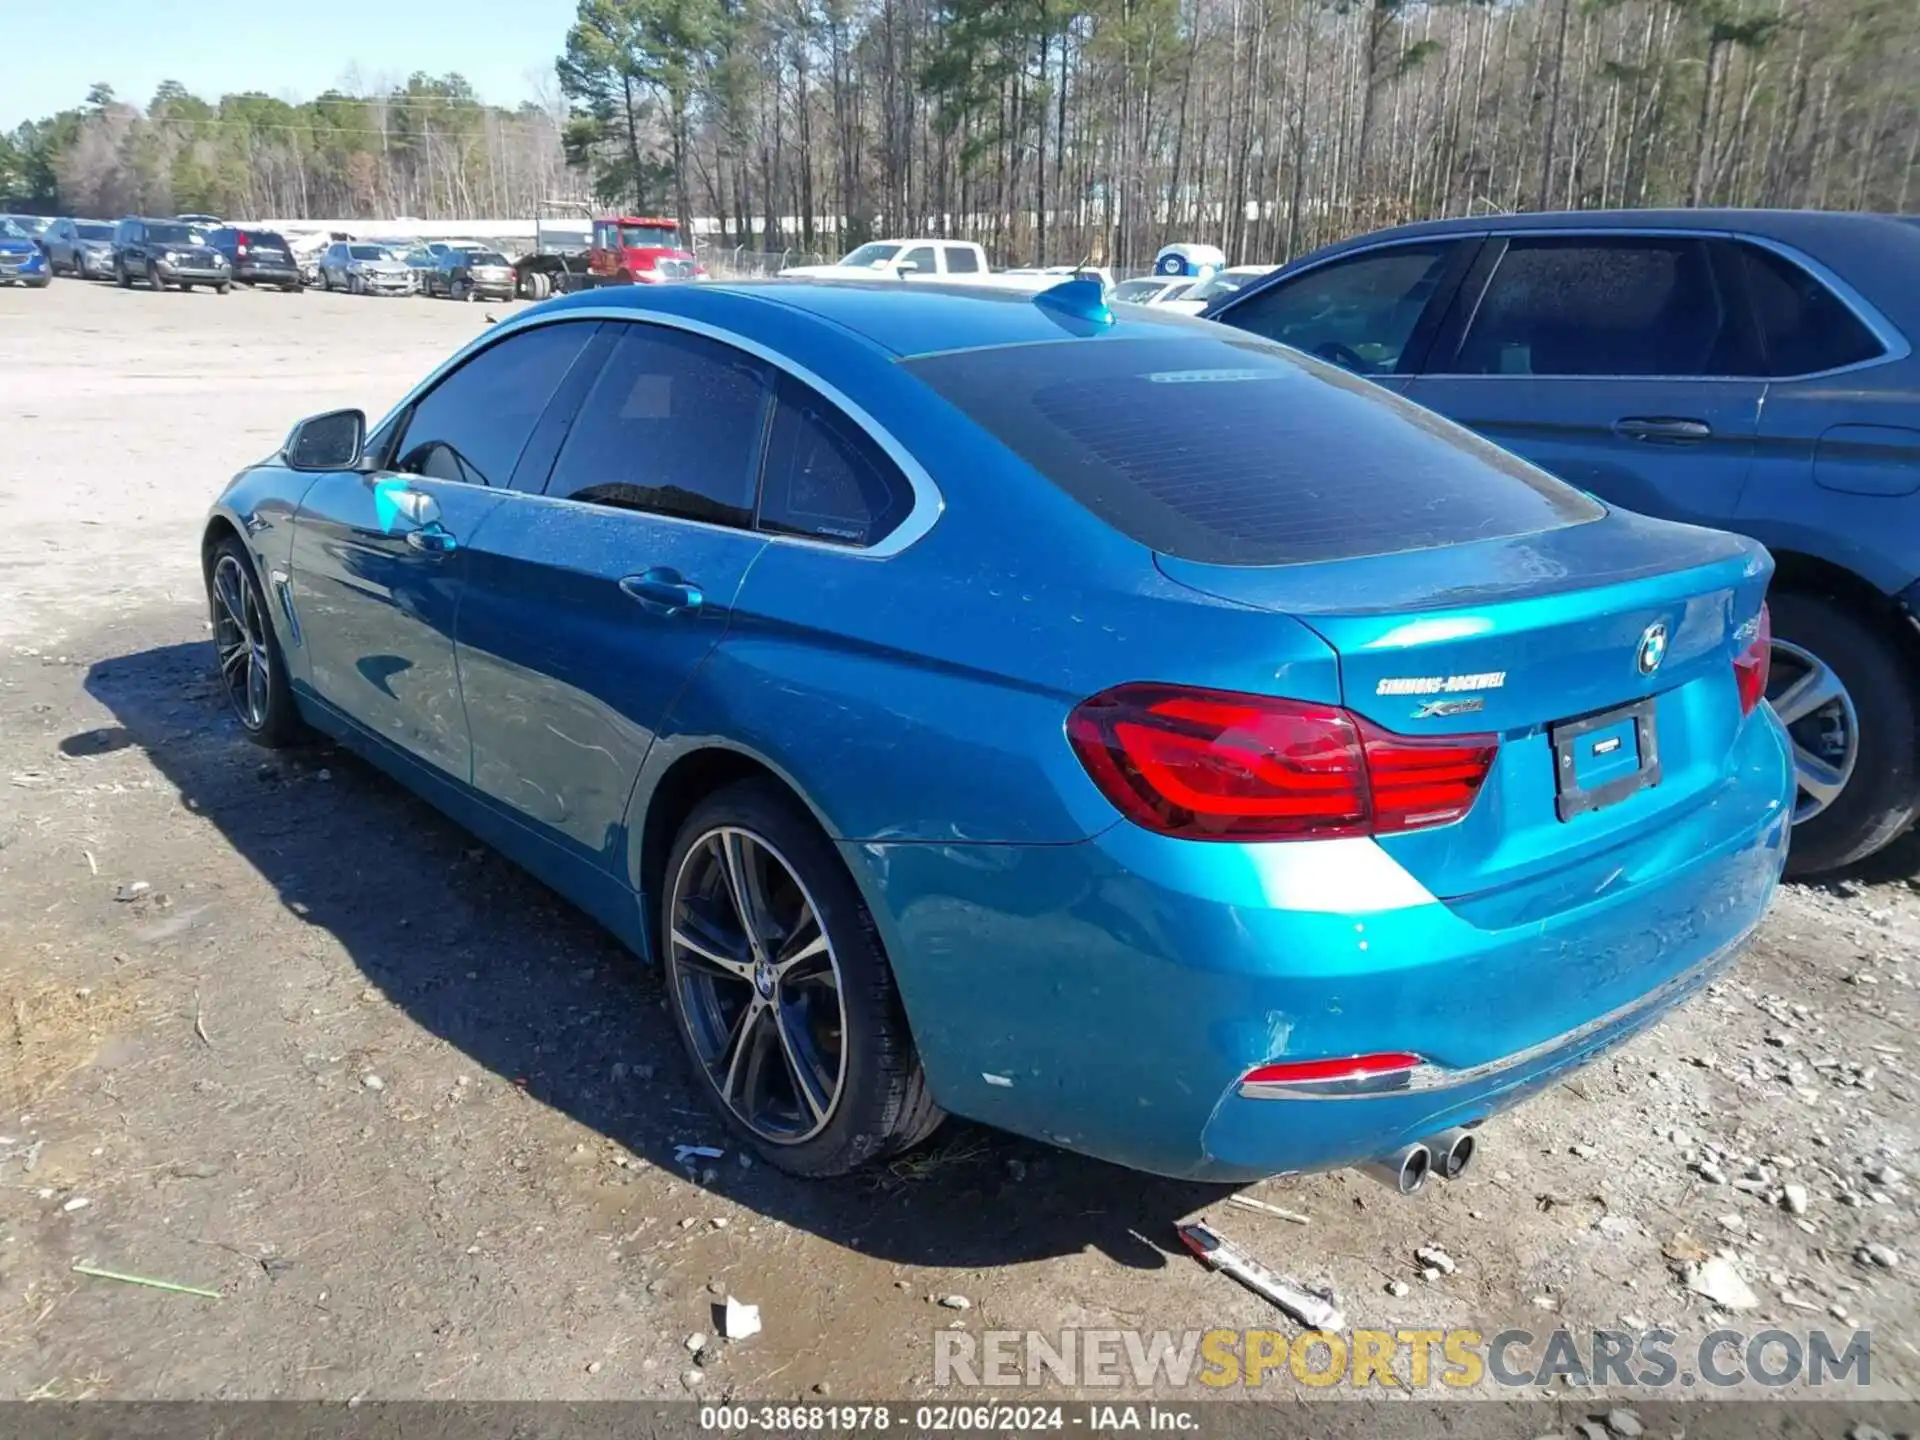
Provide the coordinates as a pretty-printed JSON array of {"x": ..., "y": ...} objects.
[{"x": 623, "y": 250}]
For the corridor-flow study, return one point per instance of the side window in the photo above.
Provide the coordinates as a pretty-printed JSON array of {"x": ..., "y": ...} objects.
[
  {"x": 1638, "y": 305},
  {"x": 604, "y": 237},
  {"x": 921, "y": 258},
  {"x": 962, "y": 260},
  {"x": 472, "y": 426},
  {"x": 824, "y": 478},
  {"x": 1357, "y": 312},
  {"x": 672, "y": 426},
  {"x": 1804, "y": 326}
]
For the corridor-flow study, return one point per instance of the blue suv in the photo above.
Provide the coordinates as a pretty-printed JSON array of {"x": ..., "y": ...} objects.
[{"x": 1744, "y": 369}]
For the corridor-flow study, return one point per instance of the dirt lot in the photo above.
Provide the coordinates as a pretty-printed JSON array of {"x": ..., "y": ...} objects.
[{"x": 275, "y": 1029}]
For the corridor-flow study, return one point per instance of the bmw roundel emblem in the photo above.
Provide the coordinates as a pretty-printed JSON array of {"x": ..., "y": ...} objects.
[{"x": 1653, "y": 648}]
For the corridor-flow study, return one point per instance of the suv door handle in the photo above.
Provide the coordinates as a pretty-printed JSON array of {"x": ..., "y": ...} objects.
[
  {"x": 1663, "y": 429},
  {"x": 662, "y": 591}
]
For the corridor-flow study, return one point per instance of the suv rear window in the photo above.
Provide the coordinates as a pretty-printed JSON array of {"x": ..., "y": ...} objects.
[{"x": 1239, "y": 452}]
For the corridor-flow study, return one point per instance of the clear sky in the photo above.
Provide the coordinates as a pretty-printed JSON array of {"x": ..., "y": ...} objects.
[{"x": 51, "y": 52}]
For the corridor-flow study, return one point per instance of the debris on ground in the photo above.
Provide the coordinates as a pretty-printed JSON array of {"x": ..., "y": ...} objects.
[
  {"x": 955, "y": 1302},
  {"x": 132, "y": 890},
  {"x": 682, "y": 1154},
  {"x": 1716, "y": 1279},
  {"x": 1317, "y": 1310},
  {"x": 1626, "y": 1423},
  {"x": 82, "y": 1268},
  {"x": 1247, "y": 1202},
  {"x": 739, "y": 1321},
  {"x": 695, "y": 1343},
  {"x": 1434, "y": 1262}
]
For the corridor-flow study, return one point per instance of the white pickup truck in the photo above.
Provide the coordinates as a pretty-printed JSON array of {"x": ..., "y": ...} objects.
[
  {"x": 957, "y": 262},
  {"x": 903, "y": 260}
]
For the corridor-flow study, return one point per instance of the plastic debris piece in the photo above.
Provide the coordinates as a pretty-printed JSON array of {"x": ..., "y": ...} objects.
[
  {"x": 82, "y": 1268},
  {"x": 1316, "y": 1310}
]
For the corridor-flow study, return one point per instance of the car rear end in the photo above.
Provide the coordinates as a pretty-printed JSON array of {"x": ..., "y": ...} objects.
[
  {"x": 491, "y": 276},
  {"x": 261, "y": 257},
  {"x": 1430, "y": 779}
]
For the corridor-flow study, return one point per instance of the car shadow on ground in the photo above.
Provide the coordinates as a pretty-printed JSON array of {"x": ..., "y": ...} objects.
[{"x": 485, "y": 957}]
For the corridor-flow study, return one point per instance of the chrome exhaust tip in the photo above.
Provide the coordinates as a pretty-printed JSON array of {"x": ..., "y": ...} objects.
[
  {"x": 1453, "y": 1151},
  {"x": 1404, "y": 1171}
]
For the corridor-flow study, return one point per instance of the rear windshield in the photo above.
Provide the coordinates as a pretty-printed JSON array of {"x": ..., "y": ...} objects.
[
  {"x": 485, "y": 257},
  {"x": 1238, "y": 452}
]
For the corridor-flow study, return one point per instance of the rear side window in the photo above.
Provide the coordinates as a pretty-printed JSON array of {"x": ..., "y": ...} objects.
[
  {"x": 962, "y": 261},
  {"x": 1639, "y": 305},
  {"x": 825, "y": 479},
  {"x": 1358, "y": 312},
  {"x": 1804, "y": 326},
  {"x": 1237, "y": 452},
  {"x": 472, "y": 426},
  {"x": 672, "y": 426}
]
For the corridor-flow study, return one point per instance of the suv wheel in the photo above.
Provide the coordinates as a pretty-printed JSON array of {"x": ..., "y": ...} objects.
[
  {"x": 153, "y": 276},
  {"x": 120, "y": 275},
  {"x": 1848, "y": 696}
]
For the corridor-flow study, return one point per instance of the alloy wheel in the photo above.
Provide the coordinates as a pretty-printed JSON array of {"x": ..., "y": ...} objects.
[
  {"x": 240, "y": 638},
  {"x": 759, "y": 985},
  {"x": 1814, "y": 705}
]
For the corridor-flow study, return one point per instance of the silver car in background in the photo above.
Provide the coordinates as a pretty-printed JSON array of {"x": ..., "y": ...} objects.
[
  {"x": 361, "y": 268},
  {"x": 80, "y": 248}
]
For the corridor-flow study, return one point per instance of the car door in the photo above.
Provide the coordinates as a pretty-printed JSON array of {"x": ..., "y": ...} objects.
[
  {"x": 1624, "y": 363},
  {"x": 59, "y": 243},
  {"x": 1372, "y": 311},
  {"x": 1839, "y": 449},
  {"x": 590, "y": 606},
  {"x": 379, "y": 557}
]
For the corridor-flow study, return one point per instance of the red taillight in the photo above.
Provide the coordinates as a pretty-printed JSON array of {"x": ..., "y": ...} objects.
[
  {"x": 1209, "y": 765},
  {"x": 1321, "y": 1072},
  {"x": 1750, "y": 665}
]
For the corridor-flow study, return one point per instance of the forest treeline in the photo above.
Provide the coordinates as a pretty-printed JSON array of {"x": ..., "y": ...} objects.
[{"x": 1056, "y": 129}]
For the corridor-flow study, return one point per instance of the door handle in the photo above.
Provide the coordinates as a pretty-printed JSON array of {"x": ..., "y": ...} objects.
[
  {"x": 662, "y": 591},
  {"x": 1663, "y": 429},
  {"x": 432, "y": 539}
]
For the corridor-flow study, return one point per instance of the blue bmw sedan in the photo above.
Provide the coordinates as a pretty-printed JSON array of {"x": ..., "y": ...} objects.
[{"x": 1110, "y": 727}]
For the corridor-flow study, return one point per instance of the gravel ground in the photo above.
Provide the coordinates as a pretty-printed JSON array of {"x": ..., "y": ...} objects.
[{"x": 273, "y": 1028}]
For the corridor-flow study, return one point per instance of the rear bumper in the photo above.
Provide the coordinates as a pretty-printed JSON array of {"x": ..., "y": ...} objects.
[
  {"x": 267, "y": 274},
  {"x": 1108, "y": 996}
]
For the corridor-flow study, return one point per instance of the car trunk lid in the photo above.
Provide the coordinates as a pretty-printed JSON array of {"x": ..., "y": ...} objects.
[{"x": 1600, "y": 654}]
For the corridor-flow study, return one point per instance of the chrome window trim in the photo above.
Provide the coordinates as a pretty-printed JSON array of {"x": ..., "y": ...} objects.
[
  {"x": 928, "y": 502},
  {"x": 1894, "y": 345}
]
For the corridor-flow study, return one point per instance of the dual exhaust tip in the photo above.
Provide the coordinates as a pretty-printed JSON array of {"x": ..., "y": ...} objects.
[{"x": 1447, "y": 1155}]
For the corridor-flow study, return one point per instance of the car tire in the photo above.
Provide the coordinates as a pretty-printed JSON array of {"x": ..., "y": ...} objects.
[
  {"x": 120, "y": 275},
  {"x": 257, "y": 690},
  {"x": 1878, "y": 699},
  {"x": 153, "y": 277},
  {"x": 880, "y": 1104},
  {"x": 226, "y": 289}
]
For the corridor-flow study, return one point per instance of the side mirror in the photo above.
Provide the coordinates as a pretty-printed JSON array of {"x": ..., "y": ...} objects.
[
  {"x": 332, "y": 441},
  {"x": 907, "y": 267}
]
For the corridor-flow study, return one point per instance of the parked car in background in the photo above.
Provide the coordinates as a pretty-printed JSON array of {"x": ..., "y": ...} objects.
[
  {"x": 469, "y": 275},
  {"x": 34, "y": 227},
  {"x": 1745, "y": 369},
  {"x": 204, "y": 222},
  {"x": 1150, "y": 290},
  {"x": 1342, "y": 781},
  {"x": 1216, "y": 286},
  {"x": 258, "y": 257},
  {"x": 361, "y": 268},
  {"x": 901, "y": 260},
  {"x": 80, "y": 248},
  {"x": 22, "y": 260},
  {"x": 167, "y": 252}
]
